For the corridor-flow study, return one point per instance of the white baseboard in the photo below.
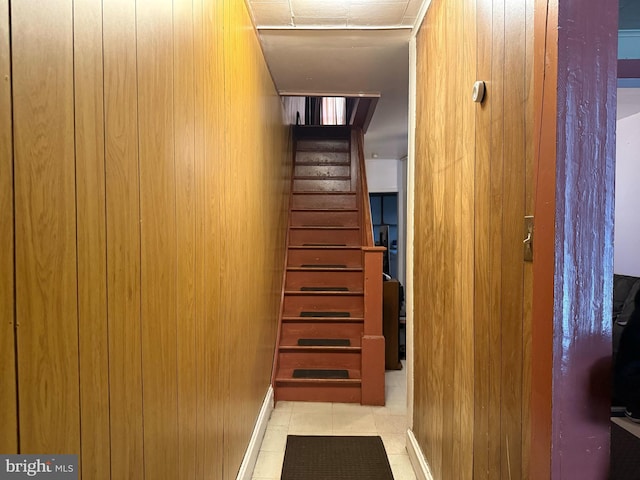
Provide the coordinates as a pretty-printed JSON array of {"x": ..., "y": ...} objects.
[
  {"x": 419, "y": 463},
  {"x": 251, "y": 455}
]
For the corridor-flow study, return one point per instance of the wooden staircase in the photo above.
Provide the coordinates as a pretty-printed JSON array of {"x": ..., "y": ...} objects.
[{"x": 330, "y": 344}]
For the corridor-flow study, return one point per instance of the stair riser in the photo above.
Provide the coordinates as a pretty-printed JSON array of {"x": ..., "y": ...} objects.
[
  {"x": 321, "y": 185},
  {"x": 349, "y": 258},
  {"x": 340, "y": 219},
  {"x": 320, "y": 360},
  {"x": 318, "y": 393},
  {"x": 322, "y": 171},
  {"x": 324, "y": 201},
  {"x": 294, "y": 304},
  {"x": 323, "y": 145},
  {"x": 291, "y": 332},
  {"x": 352, "y": 280},
  {"x": 311, "y": 236}
]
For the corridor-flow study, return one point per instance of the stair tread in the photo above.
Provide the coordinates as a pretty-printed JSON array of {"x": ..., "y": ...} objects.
[
  {"x": 319, "y": 373},
  {"x": 286, "y": 375},
  {"x": 319, "y": 147},
  {"x": 325, "y": 247},
  {"x": 324, "y": 269},
  {"x": 322, "y": 265},
  {"x": 324, "y": 293},
  {"x": 317, "y": 348},
  {"x": 322, "y": 342},
  {"x": 323, "y": 289},
  {"x": 321, "y": 177},
  {"x": 322, "y": 227},
  {"x": 317, "y": 245},
  {"x": 327, "y": 210},
  {"x": 294, "y": 319},
  {"x": 320, "y": 381},
  {"x": 321, "y": 164},
  {"x": 316, "y": 225},
  {"x": 323, "y": 193}
]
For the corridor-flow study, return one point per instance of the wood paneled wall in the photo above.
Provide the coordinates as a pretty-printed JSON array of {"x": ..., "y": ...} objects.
[
  {"x": 152, "y": 168},
  {"x": 8, "y": 418},
  {"x": 472, "y": 289}
]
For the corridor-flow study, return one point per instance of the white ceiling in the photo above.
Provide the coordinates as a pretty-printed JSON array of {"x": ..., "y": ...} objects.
[
  {"x": 334, "y": 13},
  {"x": 344, "y": 47}
]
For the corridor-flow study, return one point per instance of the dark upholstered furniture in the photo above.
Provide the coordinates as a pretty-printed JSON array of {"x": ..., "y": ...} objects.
[{"x": 625, "y": 288}]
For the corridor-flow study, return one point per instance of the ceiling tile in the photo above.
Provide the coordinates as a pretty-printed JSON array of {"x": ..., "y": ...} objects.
[
  {"x": 378, "y": 14},
  {"x": 413, "y": 8},
  {"x": 271, "y": 14},
  {"x": 320, "y": 22},
  {"x": 323, "y": 9},
  {"x": 408, "y": 21}
]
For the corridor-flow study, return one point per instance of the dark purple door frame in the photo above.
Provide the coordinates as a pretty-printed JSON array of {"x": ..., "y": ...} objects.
[
  {"x": 629, "y": 68},
  {"x": 573, "y": 269}
]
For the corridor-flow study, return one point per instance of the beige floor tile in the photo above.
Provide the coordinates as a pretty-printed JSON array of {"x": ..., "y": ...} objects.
[
  {"x": 279, "y": 417},
  {"x": 396, "y": 378},
  {"x": 394, "y": 443},
  {"x": 391, "y": 409},
  {"x": 344, "y": 423},
  {"x": 275, "y": 438},
  {"x": 284, "y": 406},
  {"x": 320, "y": 418},
  {"x": 311, "y": 424},
  {"x": 355, "y": 434},
  {"x": 401, "y": 467},
  {"x": 391, "y": 423},
  {"x": 269, "y": 464},
  {"x": 350, "y": 408},
  {"x": 311, "y": 407}
]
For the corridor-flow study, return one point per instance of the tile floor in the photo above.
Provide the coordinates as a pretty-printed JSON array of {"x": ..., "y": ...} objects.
[{"x": 306, "y": 418}]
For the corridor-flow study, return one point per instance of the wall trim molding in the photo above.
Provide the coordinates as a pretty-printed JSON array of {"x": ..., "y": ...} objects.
[
  {"x": 253, "y": 449},
  {"x": 418, "y": 462},
  {"x": 420, "y": 18}
]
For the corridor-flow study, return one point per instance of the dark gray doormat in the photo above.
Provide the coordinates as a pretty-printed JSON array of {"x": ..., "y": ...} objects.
[{"x": 335, "y": 458}]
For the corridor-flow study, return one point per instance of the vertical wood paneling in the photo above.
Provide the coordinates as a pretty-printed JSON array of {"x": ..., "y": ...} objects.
[
  {"x": 483, "y": 245},
  {"x": 8, "y": 412},
  {"x": 160, "y": 350},
  {"x": 470, "y": 166},
  {"x": 200, "y": 268},
  {"x": 515, "y": 190},
  {"x": 496, "y": 208},
  {"x": 445, "y": 223},
  {"x": 215, "y": 237},
  {"x": 46, "y": 277},
  {"x": 91, "y": 240},
  {"x": 247, "y": 216},
  {"x": 158, "y": 254},
  {"x": 184, "y": 131},
  {"x": 528, "y": 267},
  {"x": 123, "y": 238},
  {"x": 235, "y": 203},
  {"x": 465, "y": 354}
]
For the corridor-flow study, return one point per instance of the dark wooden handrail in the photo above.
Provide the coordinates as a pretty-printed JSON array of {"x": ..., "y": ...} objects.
[
  {"x": 363, "y": 190},
  {"x": 362, "y": 111}
]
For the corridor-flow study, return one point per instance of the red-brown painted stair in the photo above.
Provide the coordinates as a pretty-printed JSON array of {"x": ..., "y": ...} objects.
[{"x": 323, "y": 291}]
